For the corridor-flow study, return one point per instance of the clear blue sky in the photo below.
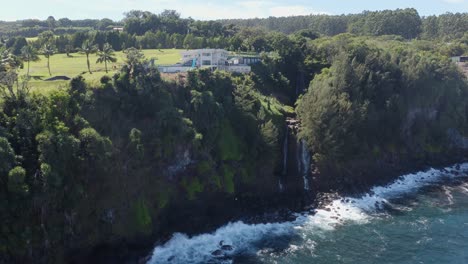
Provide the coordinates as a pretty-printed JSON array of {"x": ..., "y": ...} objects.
[{"x": 213, "y": 9}]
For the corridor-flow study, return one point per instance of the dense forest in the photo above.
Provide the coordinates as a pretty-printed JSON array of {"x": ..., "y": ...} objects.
[{"x": 129, "y": 158}]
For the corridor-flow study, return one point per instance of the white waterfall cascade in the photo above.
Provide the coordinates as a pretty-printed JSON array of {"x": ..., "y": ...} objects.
[
  {"x": 303, "y": 163},
  {"x": 285, "y": 159}
]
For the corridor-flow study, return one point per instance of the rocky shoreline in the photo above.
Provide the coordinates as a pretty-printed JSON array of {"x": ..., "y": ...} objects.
[{"x": 278, "y": 207}]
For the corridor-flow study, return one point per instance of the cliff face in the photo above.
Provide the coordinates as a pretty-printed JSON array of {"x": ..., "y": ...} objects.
[{"x": 183, "y": 158}]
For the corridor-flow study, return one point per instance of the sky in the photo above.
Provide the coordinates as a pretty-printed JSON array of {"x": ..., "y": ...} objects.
[{"x": 214, "y": 9}]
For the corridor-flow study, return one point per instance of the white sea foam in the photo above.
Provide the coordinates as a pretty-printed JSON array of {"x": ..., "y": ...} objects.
[
  {"x": 244, "y": 237},
  {"x": 198, "y": 249}
]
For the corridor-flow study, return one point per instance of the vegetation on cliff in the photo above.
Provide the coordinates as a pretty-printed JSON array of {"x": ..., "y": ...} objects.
[
  {"x": 108, "y": 160},
  {"x": 95, "y": 164},
  {"x": 376, "y": 103}
]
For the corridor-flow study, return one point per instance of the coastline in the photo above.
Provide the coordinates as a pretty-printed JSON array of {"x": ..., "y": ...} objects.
[{"x": 273, "y": 208}]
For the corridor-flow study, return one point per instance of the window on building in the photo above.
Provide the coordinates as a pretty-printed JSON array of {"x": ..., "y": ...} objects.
[
  {"x": 206, "y": 54},
  {"x": 206, "y": 62}
]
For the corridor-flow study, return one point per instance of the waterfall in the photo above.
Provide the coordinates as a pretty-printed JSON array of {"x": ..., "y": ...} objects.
[
  {"x": 285, "y": 159},
  {"x": 280, "y": 186},
  {"x": 285, "y": 151},
  {"x": 303, "y": 163}
]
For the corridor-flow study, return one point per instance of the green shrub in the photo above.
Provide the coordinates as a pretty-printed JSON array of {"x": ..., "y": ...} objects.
[
  {"x": 229, "y": 145},
  {"x": 192, "y": 187},
  {"x": 228, "y": 177},
  {"x": 143, "y": 221}
]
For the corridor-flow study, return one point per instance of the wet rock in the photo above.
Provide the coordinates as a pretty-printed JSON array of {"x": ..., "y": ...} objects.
[
  {"x": 171, "y": 258},
  {"x": 227, "y": 247},
  {"x": 217, "y": 253}
]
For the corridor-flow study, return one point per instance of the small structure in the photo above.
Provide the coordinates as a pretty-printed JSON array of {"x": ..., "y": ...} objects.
[
  {"x": 462, "y": 63},
  {"x": 463, "y": 59},
  {"x": 210, "y": 58}
]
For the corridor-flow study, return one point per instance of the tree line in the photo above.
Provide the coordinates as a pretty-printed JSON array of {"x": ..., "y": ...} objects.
[{"x": 403, "y": 22}]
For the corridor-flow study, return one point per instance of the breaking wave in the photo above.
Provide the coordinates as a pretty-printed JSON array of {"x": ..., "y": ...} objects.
[{"x": 238, "y": 238}]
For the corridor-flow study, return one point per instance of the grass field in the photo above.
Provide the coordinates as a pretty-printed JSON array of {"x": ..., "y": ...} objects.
[{"x": 61, "y": 65}]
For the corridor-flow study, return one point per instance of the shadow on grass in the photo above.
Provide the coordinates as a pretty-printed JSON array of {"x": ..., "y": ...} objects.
[{"x": 36, "y": 77}]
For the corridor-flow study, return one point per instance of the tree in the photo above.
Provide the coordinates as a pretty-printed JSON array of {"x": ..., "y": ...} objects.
[
  {"x": 29, "y": 53},
  {"x": 104, "y": 23},
  {"x": 19, "y": 44},
  {"x": 48, "y": 50},
  {"x": 8, "y": 61},
  {"x": 88, "y": 48},
  {"x": 65, "y": 22},
  {"x": 51, "y": 22},
  {"x": 46, "y": 37},
  {"x": 134, "y": 56},
  {"x": 107, "y": 54},
  {"x": 8, "y": 75}
]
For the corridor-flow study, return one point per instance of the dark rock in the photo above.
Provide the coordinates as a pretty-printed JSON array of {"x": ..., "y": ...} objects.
[
  {"x": 227, "y": 247},
  {"x": 217, "y": 253},
  {"x": 171, "y": 258}
]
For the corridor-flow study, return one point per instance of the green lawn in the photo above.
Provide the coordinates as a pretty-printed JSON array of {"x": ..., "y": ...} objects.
[{"x": 61, "y": 65}]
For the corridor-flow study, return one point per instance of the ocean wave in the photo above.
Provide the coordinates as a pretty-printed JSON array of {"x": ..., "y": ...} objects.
[{"x": 240, "y": 238}]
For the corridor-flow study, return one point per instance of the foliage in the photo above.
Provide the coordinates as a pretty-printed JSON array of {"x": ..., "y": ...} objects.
[
  {"x": 48, "y": 50},
  {"x": 381, "y": 99},
  {"x": 29, "y": 53},
  {"x": 229, "y": 146},
  {"x": 106, "y": 54},
  {"x": 143, "y": 221},
  {"x": 192, "y": 187},
  {"x": 88, "y": 48}
]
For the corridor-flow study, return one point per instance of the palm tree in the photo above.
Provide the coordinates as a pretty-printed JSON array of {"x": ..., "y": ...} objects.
[
  {"x": 29, "y": 53},
  {"x": 88, "y": 48},
  {"x": 107, "y": 54},
  {"x": 48, "y": 50}
]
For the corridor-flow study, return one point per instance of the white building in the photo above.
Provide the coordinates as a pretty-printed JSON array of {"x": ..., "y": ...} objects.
[{"x": 207, "y": 58}]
